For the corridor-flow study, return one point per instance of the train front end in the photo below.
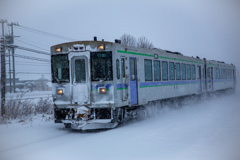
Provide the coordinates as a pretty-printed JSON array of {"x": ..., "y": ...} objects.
[{"x": 82, "y": 85}]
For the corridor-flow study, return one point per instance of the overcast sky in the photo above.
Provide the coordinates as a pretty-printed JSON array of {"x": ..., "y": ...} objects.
[{"x": 205, "y": 28}]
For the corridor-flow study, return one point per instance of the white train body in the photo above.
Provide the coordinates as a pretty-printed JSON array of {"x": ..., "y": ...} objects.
[{"x": 96, "y": 83}]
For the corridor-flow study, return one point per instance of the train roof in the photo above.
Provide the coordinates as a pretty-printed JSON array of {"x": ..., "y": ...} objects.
[{"x": 92, "y": 45}]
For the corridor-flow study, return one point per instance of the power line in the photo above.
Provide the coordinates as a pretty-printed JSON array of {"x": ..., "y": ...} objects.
[
  {"x": 38, "y": 43},
  {"x": 29, "y": 49},
  {"x": 28, "y": 57},
  {"x": 44, "y": 33},
  {"x": 31, "y": 45}
]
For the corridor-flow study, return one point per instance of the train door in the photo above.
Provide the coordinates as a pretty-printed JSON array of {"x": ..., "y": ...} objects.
[
  {"x": 133, "y": 80},
  {"x": 200, "y": 79},
  {"x": 124, "y": 90},
  {"x": 209, "y": 79},
  {"x": 80, "y": 80}
]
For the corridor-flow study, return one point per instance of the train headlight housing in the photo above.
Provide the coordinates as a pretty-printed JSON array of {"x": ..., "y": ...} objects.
[
  {"x": 102, "y": 90},
  {"x": 60, "y": 92}
]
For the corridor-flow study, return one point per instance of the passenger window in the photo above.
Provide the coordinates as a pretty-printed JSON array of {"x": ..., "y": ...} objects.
[
  {"x": 118, "y": 69},
  {"x": 165, "y": 71},
  {"x": 157, "y": 71},
  {"x": 123, "y": 66},
  {"x": 183, "y": 71},
  {"x": 148, "y": 70},
  {"x": 171, "y": 71},
  {"x": 193, "y": 72},
  {"x": 215, "y": 71},
  {"x": 178, "y": 71},
  {"x": 188, "y": 72},
  {"x": 221, "y": 73}
]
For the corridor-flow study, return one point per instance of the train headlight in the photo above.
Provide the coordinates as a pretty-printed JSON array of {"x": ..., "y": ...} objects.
[
  {"x": 101, "y": 47},
  {"x": 60, "y": 91},
  {"x": 101, "y": 90},
  {"x": 58, "y": 49}
]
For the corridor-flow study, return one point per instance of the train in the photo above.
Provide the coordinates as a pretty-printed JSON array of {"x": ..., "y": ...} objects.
[{"x": 100, "y": 84}]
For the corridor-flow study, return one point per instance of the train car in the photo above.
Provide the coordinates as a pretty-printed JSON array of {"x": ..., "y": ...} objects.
[
  {"x": 99, "y": 84},
  {"x": 220, "y": 76}
]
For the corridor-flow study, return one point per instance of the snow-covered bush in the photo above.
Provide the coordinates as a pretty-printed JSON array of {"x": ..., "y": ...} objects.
[
  {"x": 44, "y": 106},
  {"x": 24, "y": 109}
]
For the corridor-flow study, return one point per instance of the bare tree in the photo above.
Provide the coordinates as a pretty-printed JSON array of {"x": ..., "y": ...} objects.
[
  {"x": 143, "y": 42},
  {"x": 128, "y": 39}
]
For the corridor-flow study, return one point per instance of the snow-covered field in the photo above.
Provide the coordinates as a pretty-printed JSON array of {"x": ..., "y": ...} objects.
[
  {"x": 206, "y": 131},
  {"x": 30, "y": 95}
]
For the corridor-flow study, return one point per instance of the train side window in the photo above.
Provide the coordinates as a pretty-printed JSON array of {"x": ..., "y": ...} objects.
[
  {"x": 221, "y": 73},
  {"x": 171, "y": 71},
  {"x": 227, "y": 73},
  {"x": 224, "y": 73},
  {"x": 183, "y": 71},
  {"x": 193, "y": 72},
  {"x": 118, "y": 69},
  {"x": 188, "y": 72},
  {"x": 165, "y": 71},
  {"x": 178, "y": 71},
  {"x": 148, "y": 69},
  {"x": 123, "y": 66},
  {"x": 215, "y": 71},
  {"x": 157, "y": 71}
]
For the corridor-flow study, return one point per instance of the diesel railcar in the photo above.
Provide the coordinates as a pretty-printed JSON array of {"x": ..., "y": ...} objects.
[{"x": 99, "y": 84}]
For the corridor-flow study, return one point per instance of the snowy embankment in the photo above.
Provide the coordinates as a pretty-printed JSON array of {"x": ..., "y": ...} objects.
[{"x": 206, "y": 131}]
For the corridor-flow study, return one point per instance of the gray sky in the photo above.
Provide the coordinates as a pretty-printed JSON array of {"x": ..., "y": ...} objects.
[{"x": 205, "y": 28}]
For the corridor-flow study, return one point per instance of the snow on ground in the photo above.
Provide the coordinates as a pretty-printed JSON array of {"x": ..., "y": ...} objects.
[
  {"x": 30, "y": 95},
  {"x": 206, "y": 131}
]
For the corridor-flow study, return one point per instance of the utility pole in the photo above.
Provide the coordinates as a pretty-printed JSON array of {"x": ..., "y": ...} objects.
[
  {"x": 12, "y": 49},
  {"x": 3, "y": 69}
]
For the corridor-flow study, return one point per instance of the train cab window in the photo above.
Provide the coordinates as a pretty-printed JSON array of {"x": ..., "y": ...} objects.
[
  {"x": 178, "y": 71},
  {"x": 193, "y": 72},
  {"x": 165, "y": 71},
  {"x": 118, "y": 69},
  {"x": 183, "y": 71},
  {"x": 101, "y": 66},
  {"x": 157, "y": 71},
  {"x": 188, "y": 72},
  {"x": 148, "y": 69},
  {"x": 60, "y": 68},
  {"x": 171, "y": 71},
  {"x": 80, "y": 71},
  {"x": 123, "y": 67}
]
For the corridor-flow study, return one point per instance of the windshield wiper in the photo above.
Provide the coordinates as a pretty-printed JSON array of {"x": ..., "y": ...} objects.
[{"x": 55, "y": 77}]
